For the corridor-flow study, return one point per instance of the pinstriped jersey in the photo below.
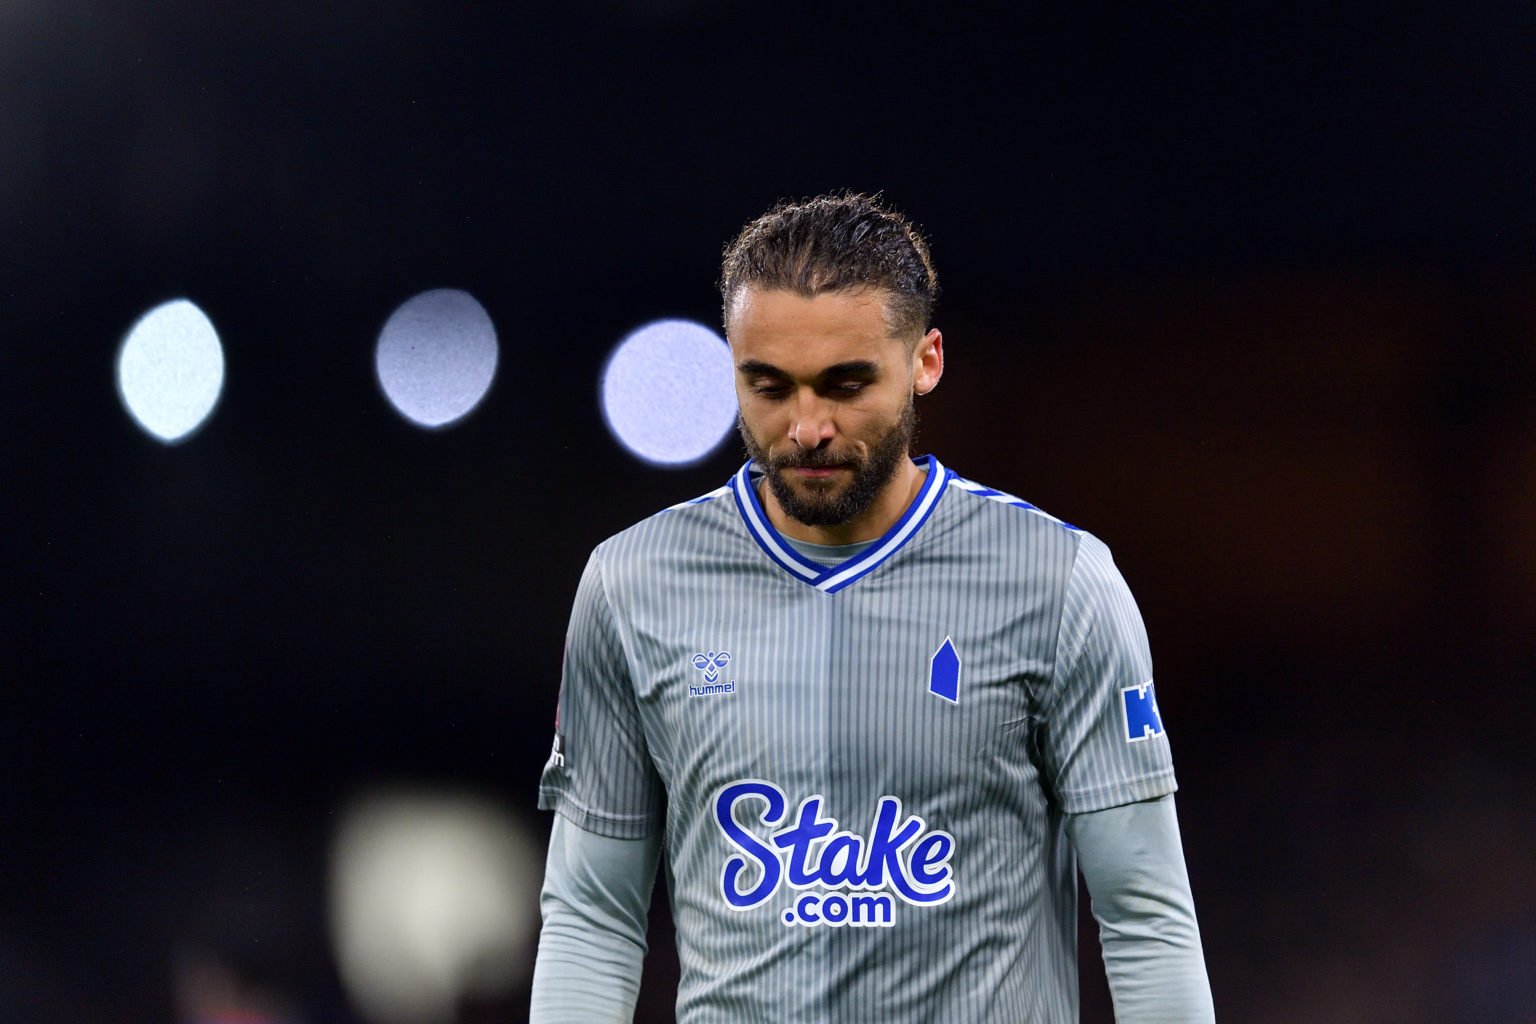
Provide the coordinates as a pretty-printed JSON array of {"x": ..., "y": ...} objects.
[{"x": 861, "y": 770}]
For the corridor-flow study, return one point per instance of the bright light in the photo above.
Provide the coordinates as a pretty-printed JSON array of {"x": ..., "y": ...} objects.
[
  {"x": 667, "y": 392},
  {"x": 433, "y": 901},
  {"x": 170, "y": 370},
  {"x": 436, "y": 357}
]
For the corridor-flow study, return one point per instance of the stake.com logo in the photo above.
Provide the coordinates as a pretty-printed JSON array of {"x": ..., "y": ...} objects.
[{"x": 853, "y": 876}]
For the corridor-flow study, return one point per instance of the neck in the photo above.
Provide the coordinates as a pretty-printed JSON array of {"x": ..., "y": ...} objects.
[{"x": 894, "y": 499}]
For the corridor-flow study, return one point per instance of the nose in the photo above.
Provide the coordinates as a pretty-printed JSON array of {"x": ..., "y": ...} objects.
[{"x": 811, "y": 426}]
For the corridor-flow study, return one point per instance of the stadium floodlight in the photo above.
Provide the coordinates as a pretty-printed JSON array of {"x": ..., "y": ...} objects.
[
  {"x": 436, "y": 357},
  {"x": 170, "y": 370},
  {"x": 667, "y": 393}
]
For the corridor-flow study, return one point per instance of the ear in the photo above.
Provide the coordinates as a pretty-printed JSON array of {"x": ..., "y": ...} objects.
[{"x": 928, "y": 362}]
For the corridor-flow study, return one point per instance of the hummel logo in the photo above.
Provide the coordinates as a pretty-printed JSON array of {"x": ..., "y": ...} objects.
[{"x": 711, "y": 664}]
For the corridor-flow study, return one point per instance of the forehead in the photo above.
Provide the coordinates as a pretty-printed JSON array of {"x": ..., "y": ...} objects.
[{"x": 804, "y": 334}]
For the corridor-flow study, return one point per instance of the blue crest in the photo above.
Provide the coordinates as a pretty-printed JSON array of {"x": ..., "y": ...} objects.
[{"x": 944, "y": 672}]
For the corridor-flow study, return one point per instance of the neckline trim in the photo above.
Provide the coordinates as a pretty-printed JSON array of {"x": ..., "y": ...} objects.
[{"x": 831, "y": 579}]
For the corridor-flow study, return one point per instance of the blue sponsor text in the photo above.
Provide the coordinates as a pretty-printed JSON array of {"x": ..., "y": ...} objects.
[{"x": 857, "y": 875}]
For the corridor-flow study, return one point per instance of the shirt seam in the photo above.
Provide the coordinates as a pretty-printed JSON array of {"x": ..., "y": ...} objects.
[
  {"x": 1058, "y": 677},
  {"x": 566, "y": 804},
  {"x": 1132, "y": 783}
]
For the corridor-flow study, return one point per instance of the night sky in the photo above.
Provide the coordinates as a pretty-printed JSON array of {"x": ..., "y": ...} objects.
[{"x": 1249, "y": 294}]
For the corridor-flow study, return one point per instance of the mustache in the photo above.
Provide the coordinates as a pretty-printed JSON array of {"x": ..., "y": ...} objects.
[{"x": 814, "y": 459}]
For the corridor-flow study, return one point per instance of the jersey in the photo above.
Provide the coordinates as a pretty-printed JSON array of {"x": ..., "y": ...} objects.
[{"x": 862, "y": 770}]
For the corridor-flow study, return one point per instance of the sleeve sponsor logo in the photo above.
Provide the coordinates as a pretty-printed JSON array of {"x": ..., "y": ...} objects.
[
  {"x": 834, "y": 877},
  {"x": 1142, "y": 718}
]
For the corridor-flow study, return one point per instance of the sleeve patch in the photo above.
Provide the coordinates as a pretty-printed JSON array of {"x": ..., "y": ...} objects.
[{"x": 1142, "y": 719}]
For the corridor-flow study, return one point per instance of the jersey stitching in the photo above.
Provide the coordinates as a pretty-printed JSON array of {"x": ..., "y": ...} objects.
[
  {"x": 565, "y": 801},
  {"x": 1128, "y": 781},
  {"x": 629, "y": 659},
  {"x": 1057, "y": 676}
]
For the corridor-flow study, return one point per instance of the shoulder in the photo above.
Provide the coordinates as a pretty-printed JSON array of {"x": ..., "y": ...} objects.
[
  {"x": 663, "y": 537},
  {"x": 695, "y": 515},
  {"x": 1075, "y": 558},
  {"x": 1098, "y": 600},
  {"x": 997, "y": 539},
  {"x": 1094, "y": 565},
  {"x": 982, "y": 493},
  {"x": 1009, "y": 523}
]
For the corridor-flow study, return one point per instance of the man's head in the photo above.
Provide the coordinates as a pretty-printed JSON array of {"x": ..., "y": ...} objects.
[
  {"x": 835, "y": 243},
  {"x": 826, "y": 307}
]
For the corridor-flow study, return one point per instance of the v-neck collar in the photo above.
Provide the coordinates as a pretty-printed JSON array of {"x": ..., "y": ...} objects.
[{"x": 831, "y": 579}]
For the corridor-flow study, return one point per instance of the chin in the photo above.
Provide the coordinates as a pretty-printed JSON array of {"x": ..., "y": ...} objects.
[{"x": 821, "y": 487}]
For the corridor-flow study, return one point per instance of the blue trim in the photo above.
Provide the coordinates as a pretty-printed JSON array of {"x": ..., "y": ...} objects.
[
  {"x": 834, "y": 578},
  {"x": 746, "y": 495},
  {"x": 1003, "y": 497},
  {"x": 938, "y": 479}
]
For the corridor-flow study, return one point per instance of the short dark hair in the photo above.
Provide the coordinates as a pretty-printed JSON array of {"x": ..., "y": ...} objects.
[{"x": 839, "y": 242}]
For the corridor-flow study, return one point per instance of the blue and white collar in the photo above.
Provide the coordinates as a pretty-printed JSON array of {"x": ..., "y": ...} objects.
[{"x": 831, "y": 579}]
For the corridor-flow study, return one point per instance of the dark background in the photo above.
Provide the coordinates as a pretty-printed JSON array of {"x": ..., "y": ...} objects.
[{"x": 1249, "y": 294}]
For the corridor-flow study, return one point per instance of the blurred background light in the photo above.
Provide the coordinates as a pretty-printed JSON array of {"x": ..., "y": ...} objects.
[
  {"x": 170, "y": 370},
  {"x": 433, "y": 902},
  {"x": 210, "y": 992},
  {"x": 436, "y": 356},
  {"x": 667, "y": 392}
]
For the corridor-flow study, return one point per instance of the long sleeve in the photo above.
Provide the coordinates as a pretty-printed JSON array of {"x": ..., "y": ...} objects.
[
  {"x": 597, "y": 891},
  {"x": 1133, "y": 861}
]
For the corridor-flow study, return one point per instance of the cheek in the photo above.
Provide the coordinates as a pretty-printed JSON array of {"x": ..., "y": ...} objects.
[
  {"x": 764, "y": 422},
  {"x": 871, "y": 419}
]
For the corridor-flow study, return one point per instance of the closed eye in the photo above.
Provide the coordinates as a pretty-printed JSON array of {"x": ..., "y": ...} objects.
[{"x": 842, "y": 380}]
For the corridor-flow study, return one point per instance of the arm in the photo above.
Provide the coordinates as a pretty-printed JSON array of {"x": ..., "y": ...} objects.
[
  {"x": 602, "y": 783},
  {"x": 1133, "y": 862},
  {"x": 1107, "y": 761},
  {"x": 596, "y": 894}
]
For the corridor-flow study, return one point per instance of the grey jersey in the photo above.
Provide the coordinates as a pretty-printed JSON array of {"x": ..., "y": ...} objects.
[{"x": 861, "y": 770}]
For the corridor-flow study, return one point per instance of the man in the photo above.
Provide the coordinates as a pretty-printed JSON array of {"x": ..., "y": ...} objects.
[{"x": 875, "y": 714}]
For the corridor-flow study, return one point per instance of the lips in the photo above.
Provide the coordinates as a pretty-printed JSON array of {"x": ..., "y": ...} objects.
[{"x": 821, "y": 465}]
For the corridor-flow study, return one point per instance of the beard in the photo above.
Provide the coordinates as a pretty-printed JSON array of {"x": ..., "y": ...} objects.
[{"x": 834, "y": 506}]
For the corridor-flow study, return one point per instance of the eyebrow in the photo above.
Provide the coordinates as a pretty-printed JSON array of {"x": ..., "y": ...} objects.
[{"x": 852, "y": 368}]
